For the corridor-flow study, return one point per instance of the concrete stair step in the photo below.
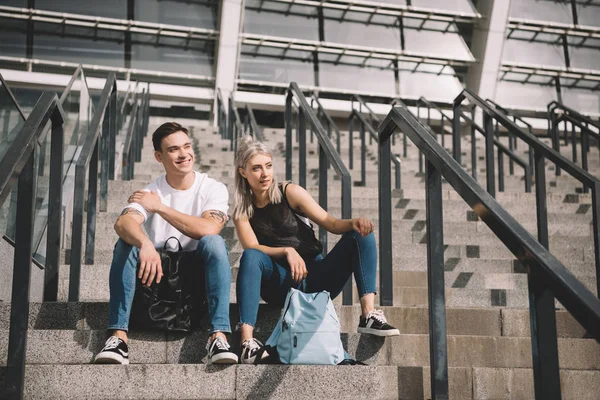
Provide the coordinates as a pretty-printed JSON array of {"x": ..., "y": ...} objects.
[
  {"x": 406, "y": 350},
  {"x": 497, "y": 321}
]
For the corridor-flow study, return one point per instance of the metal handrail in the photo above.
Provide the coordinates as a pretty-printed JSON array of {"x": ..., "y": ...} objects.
[
  {"x": 584, "y": 118},
  {"x": 527, "y": 167},
  {"x": 373, "y": 134},
  {"x": 361, "y": 104},
  {"x": 130, "y": 137},
  {"x": 508, "y": 113},
  {"x": 103, "y": 124},
  {"x": 251, "y": 126},
  {"x": 327, "y": 156},
  {"x": 330, "y": 124},
  {"x": 221, "y": 115},
  {"x": 541, "y": 153},
  {"x": 234, "y": 126},
  {"x": 18, "y": 166},
  {"x": 547, "y": 276}
]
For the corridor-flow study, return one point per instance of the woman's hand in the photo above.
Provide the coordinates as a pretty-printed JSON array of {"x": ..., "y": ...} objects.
[
  {"x": 364, "y": 226},
  {"x": 297, "y": 265}
]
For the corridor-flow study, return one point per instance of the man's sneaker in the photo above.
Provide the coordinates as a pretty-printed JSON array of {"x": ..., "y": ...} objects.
[
  {"x": 115, "y": 351},
  {"x": 376, "y": 324},
  {"x": 253, "y": 352},
  {"x": 219, "y": 352}
]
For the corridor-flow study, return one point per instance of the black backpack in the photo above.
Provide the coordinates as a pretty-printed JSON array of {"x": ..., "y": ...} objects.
[{"x": 178, "y": 302}]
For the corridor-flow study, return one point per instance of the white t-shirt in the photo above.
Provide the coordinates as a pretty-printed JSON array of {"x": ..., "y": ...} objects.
[{"x": 204, "y": 195}]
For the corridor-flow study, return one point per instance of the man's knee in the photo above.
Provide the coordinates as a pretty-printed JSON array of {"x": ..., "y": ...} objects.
[{"x": 212, "y": 244}]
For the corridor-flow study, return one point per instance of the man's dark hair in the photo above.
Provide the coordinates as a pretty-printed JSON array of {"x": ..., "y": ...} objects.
[{"x": 165, "y": 130}]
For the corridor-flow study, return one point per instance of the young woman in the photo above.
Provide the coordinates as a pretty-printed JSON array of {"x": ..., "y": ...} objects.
[{"x": 281, "y": 251}]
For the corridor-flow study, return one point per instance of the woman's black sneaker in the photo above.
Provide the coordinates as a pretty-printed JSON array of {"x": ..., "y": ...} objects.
[
  {"x": 376, "y": 324},
  {"x": 253, "y": 352},
  {"x": 115, "y": 351}
]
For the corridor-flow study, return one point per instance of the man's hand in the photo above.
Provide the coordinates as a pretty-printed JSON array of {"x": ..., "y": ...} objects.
[
  {"x": 150, "y": 265},
  {"x": 149, "y": 200},
  {"x": 297, "y": 265},
  {"x": 364, "y": 226}
]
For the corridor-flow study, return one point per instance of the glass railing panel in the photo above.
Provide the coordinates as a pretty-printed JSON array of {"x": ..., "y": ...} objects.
[
  {"x": 41, "y": 198},
  {"x": 11, "y": 119}
]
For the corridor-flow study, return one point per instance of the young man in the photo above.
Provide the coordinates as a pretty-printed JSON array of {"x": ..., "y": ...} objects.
[{"x": 182, "y": 203}]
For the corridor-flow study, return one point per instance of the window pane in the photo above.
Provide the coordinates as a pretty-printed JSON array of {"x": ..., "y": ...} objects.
[
  {"x": 589, "y": 15},
  {"x": 452, "y": 5},
  {"x": 518, "y": 95},
  {"x": 584, "y": 101},
  {"x": 269, "y": 69},
  {"x": 584, "y": 58},
  {"x": 274, "y": 24},
  {"x": 79, "y": 45},
  {"x": 172, "y": 55},
  {"x": 533, "y": 53},
  {"x": 357, "y": 78},
  {"x": 104, "y": 8},
  {"x": 431, "y": 86},
  {"x": 183, "y": 13},
  {"x": 541, "y": 10},
  {"x": 362, "y": 35},
  {"x": 13, "y": 37},
  {"x": 437, "y": 43}
]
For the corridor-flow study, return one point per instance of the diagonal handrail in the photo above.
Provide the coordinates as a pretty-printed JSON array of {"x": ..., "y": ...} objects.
[
  {"x": 235, "y": 127},
  {"x": 251, "y": 126},
  {"x": 18, "y": 166},
  {"x": 363, "y": 104},
  {"x": 364, "y": 124},
  {"x": 547, "y": 276},
  {"x": 331, "y": 126},
  {"x": 221, "y": 115},
  {"x": 103, "y": 123},
  {"x": 541, "y": 153},
  {"x": 327, "y": 156}
]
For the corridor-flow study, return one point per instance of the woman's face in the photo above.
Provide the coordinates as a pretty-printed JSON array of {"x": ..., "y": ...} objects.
[{"x": 259, "y": 172}]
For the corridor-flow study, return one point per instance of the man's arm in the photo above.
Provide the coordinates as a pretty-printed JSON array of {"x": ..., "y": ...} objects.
[
  {"x": 209, "y": 223},
  {"x": 129, "y": 228}
]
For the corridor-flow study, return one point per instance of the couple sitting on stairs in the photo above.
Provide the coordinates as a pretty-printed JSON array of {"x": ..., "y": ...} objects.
[{"x": 277, "y": 255}]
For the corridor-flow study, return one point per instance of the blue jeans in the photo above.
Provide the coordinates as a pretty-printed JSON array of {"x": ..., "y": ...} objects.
[
  {"x": 211, "y": 252},
  {"x": 261, "y": 276}
]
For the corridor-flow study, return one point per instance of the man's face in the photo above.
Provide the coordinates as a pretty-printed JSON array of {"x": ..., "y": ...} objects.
[{"x": 176, "y": 154}]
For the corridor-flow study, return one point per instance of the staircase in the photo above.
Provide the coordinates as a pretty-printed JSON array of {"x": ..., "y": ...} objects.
[{"x": 486, "y": 293}]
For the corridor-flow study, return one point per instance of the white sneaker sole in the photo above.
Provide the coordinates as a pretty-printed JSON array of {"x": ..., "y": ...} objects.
[
  {"x": 109, "y": 357},
  {"x": 223, "y": 358},
  {"x": 378, "y": 332}
]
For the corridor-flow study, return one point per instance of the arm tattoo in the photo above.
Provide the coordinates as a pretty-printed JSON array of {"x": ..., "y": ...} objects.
[
  {"x": 218, "y": 216},
  {"x": 130, "y": 210}
]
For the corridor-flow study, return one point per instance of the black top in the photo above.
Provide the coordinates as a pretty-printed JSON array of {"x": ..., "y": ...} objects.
[{"x": 276, "y": 225}]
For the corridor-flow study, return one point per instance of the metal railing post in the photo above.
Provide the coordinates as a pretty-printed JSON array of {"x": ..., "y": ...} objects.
[
  {"x": 363, "y": 156},
  {"x": 488, "y": 126},
  {"x": 90, "y": 243},
  {"x": 501, "y": 171},
  {"x": 302, "y": 148},
  {"x": 351, "y": 142},
  {"x": 474, "y": 145},
  {"x": 386, "y": 289},
  {"x": 112, "y": 134},
  {"x": 288, "y": 136},
  {"x": 19, "y": 310},
  {"x": 55, "y": 197},
  {"x": 438, "y": 353},
  {"x": 323, "y": 193},
  {"x": 456, "y": 151},
  {"x": 347, "y": 214}
]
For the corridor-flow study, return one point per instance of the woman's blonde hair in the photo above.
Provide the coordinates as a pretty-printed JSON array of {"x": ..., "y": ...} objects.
[{"x": 248, "y": 148}]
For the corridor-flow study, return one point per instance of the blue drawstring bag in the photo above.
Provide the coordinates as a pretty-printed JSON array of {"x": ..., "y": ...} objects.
[{"x": 308, "y": 331}]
